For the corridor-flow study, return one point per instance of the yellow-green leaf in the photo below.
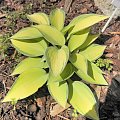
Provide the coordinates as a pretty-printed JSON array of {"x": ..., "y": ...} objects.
[
  {"x": 30, "y": 48},
  {"x": 29, "y": 63},
  {"x": 89, "y": 79},
  {"x": 57, "y": 18},
  {"x": 83, "y": 100},
  {"x": 93, "y": 51},
  {"x": 85, "y": 73},
  {"x": 90, "y": 39},
  {"x": 27, "y": 33},
  {"x": 79, "y": 61},
  {"x": 93, "y": 76},
  {"x": 95, "y": 73},
  {"x": 97, "y": 68},
  {"x": 40, "y": 18},
  {"x": 57, "y": 59},
  {"x": 78, "y": 39},
  {"x": 59, "y": 91},
  {"x": 68, "y": 71},
  {"x": 74, "y": 22},
  {"x": 51, "y": 34},
  {"x": 66, "y": 74},
  {"x": 26, "y": 84},
  {"x": 86, "y": 22},
  {"x": 84, "y": 76}
]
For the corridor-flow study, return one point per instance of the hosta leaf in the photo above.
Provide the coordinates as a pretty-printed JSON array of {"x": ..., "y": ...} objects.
[
  {"x": 51, "y": 34},
  {"x": 84, "y": 76},
  {"x": 91, "y": 79},
  {"x": 57, "y": 18},
  {"x": 29, "y": 63},
  {"x": 86, "y": 22},
  {"x": 79, "y": 61},
  {"x": 26, "y": 84},
  {"x": 40, "y": 18},
  {"x": 66, "y": 74},
  {"x": 95, "y": 73},
  {"x": 27, "y": 33},
  {"x": 59, "y": 91},
  {"x": 96, "y": 68},
  {"x": 78, "y": 39},
  {"x": 57, "y": 59},
  {"x": 68, "y": 71},
  {"x": 93, "y": 51},
  {"x": 90, "y": 39},
  {"x": 74, "y": 22},
  {"x": 31, "y": 48},
  {"x": 83, "y": 100}
]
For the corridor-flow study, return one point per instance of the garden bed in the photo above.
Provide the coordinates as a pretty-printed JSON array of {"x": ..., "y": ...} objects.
[{"x": 39, "y": 105}]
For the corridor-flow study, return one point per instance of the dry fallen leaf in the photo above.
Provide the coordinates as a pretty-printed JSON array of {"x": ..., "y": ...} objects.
[
  {"x": 58, "y": 109},
  {"x": 40, "y": 102},
  {"x": 2, "y": 15}
]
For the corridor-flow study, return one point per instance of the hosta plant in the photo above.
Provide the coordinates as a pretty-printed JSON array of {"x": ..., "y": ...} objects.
[{"x": 55, "y": 55}]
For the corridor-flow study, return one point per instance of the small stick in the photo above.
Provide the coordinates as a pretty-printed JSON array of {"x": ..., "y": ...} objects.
[
  {"x": 67, "y": 5},
  {"x": 63, "y": 117},
  {"x": 14, "y": 54},
  {"x": 115, "y": 33}
]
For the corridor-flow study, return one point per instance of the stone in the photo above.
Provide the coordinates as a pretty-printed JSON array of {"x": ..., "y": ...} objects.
[
  {"x": 116, "y": 3},
  {"x": 32, "y": 108},
  {"x": 106, "y": 7}
]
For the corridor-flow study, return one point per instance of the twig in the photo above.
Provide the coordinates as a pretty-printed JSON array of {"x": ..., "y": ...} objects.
[
  {"x": 24, "y": 114},
  {"x": 4, "y": 86},
  {"x": 67, "y": 5},
  {"x": 12, "y": 114},
  {"x": 63, "y": 117},
  {"x": 115, "y": 33},
  {"x": 14, "y": 54}
]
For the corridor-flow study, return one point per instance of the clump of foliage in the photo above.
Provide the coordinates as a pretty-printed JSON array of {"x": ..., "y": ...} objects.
[
  {"x": 65, "y": 51},
  {"x": 104, "y": 63}
]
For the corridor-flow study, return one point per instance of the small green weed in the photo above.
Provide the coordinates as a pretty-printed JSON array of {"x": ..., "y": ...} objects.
[{"x": 104, "y": 63}]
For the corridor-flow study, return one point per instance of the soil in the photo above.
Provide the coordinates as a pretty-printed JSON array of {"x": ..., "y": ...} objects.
[{"x": 39, "y": 105}]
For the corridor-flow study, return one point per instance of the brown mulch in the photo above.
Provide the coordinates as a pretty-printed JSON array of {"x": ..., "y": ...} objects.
[{"x": 37, "y": 106}]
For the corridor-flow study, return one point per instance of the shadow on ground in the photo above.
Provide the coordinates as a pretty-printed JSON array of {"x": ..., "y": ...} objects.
[{"x": 110, "y": 109}]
